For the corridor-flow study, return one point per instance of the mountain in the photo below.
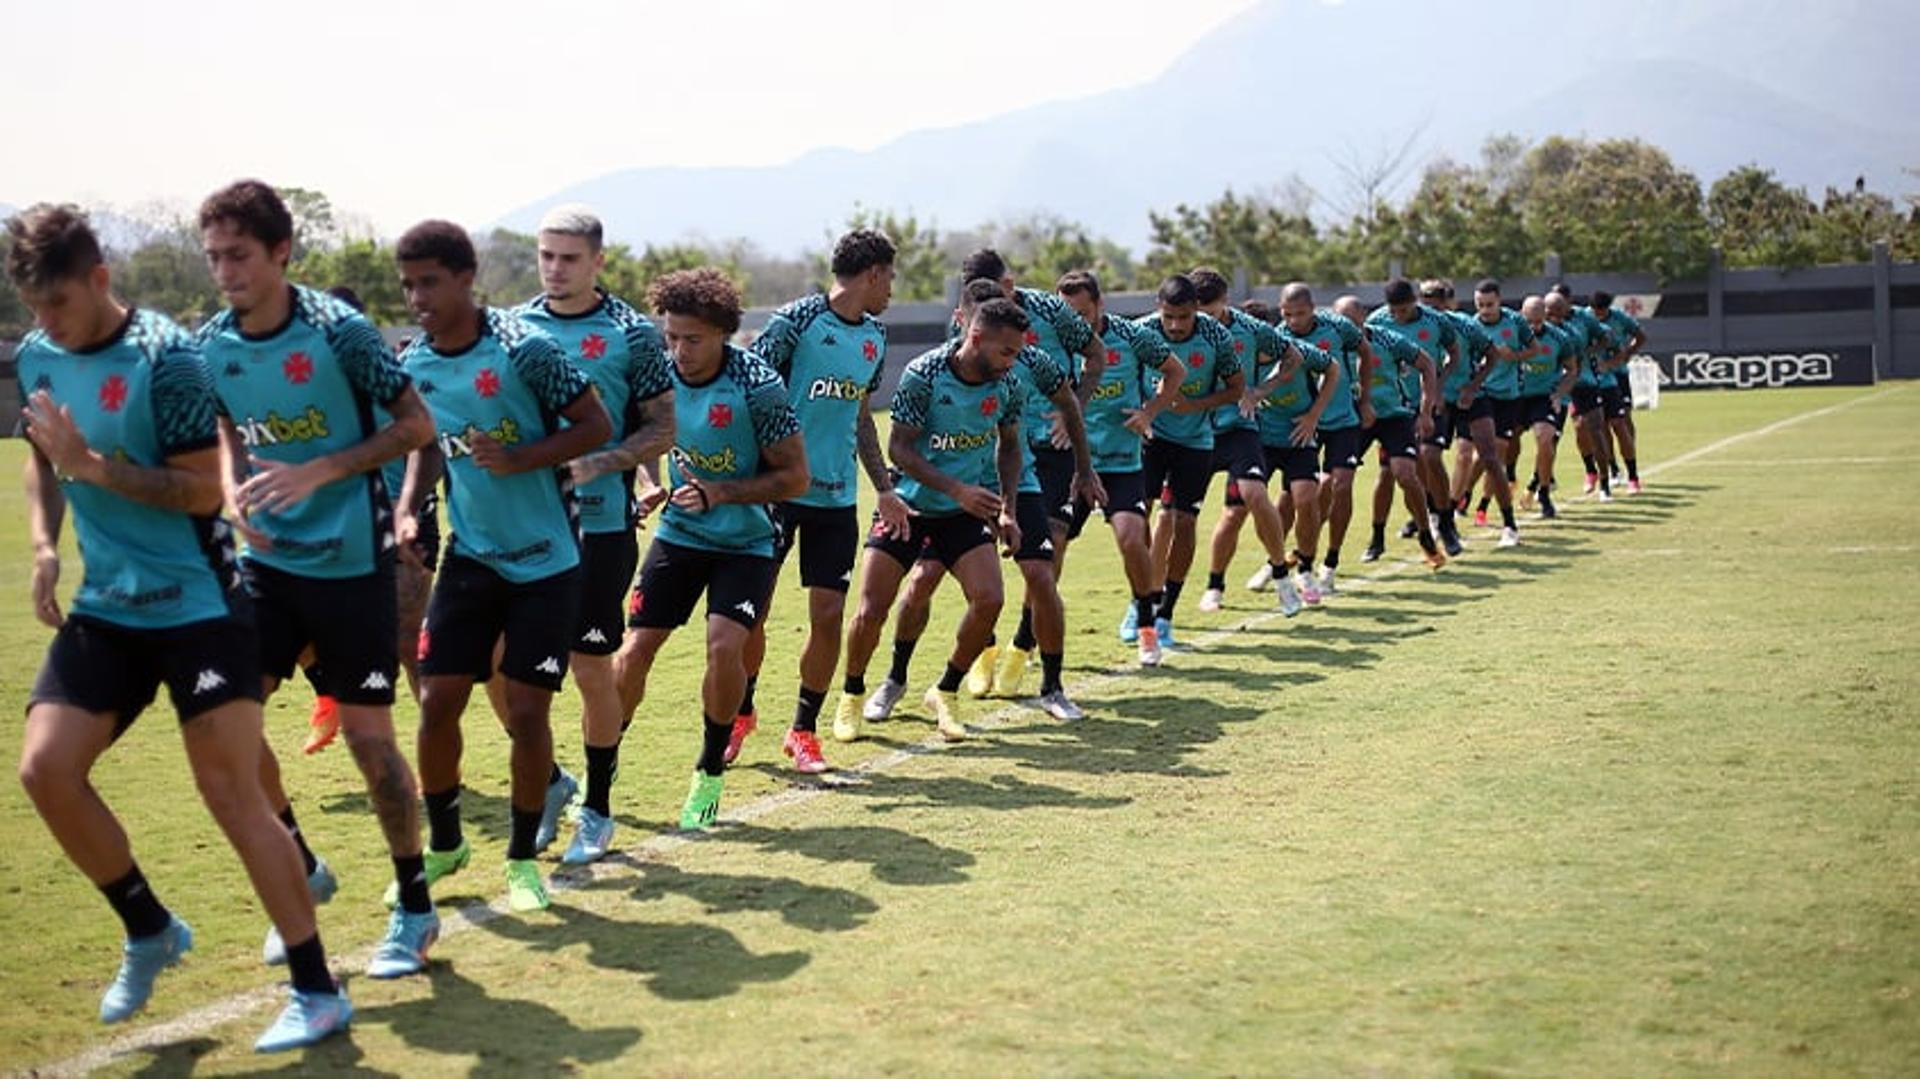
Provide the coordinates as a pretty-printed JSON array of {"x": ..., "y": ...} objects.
[{"x": 1299, "y": 88}]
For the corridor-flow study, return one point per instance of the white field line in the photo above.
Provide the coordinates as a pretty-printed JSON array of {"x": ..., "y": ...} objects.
[
  {"x": 1806, "y": 462},
  {"x": 200, "y": 1021}
]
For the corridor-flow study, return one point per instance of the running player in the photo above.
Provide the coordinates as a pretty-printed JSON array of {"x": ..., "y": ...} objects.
[
  {"x": 120, "y": 413},
  {"x": 1347, "y": 416},
  {"x": 1400, "y": 384},
  {"x": 620, "y": 351},
  {"x": 498, "y": 389},
  {"x": 1618, "y": 401},
  {"x": 1593, "y": 343},
  {"x": 1513, "y": 344},
  {"x": 1432, "y": 333},
  {"x": 299, "y": 376},
  {"x": 1289, "y": 403},
  {"x": 831, "y": 350},
  {"x": 1502, "y": 338},
  {"x": 1547, "y": 378},
  {"x": 737, "y": 450}
]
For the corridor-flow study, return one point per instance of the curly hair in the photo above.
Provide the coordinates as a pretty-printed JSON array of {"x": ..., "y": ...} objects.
[
  {"x": 251, "y": 207},
  {"x": 861, "y": 250},
  {"x": 706, "y": 294},
  {"x": 51, "y": 244},
  {"x": 441, "y": 241}
]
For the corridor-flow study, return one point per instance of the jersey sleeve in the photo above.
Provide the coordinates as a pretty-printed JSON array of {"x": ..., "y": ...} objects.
[
  {"x": 1226, "y": 362},
  {"x": 183, "y": 402},
  {"x": 879, "y": 365},
  {"x": 1347, "y": 332},
  {"x": 1523, "y": 333},
  {"x": 555, "y": 381},
  {"x": 1010, "y": 403},
  {"x": 1044, "y": 370},
  {"x": 366, "y": 360},
  {"x": 1313, "y": 357},
  {"x": 912, "y": 398},
  {"x": 1266, "y": 339},
  {"x": 647, "y": 376},
  {"x": 776, "y": 342},
  {"x": 1149, "y": 348},
  {"x": 773, "y": 417},
  {"x": 1073, "y": 331}
]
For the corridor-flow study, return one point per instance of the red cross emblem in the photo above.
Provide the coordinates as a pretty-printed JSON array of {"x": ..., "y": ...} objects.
[
  {"x": 1033, "y": 337},
  {"x": 1194, "y": 360},
  {"x": 1424, "y": 334},
  {"x": 989, "y": 406},
  {"x": 869, "y": 350},
  {"x": 1239, "y": 347},
  {"x": 113, "y": 393},
  {"x": 486, "y": 383},
  {"x": 593, "y": 346},
  {"x": 298, "y": 368},
  {"x": 1324, "y": 346},
  {"x": 1506, "y": 331},
  {"x": 1113, "y": 355},
  {"x": 719, "y": 416}
]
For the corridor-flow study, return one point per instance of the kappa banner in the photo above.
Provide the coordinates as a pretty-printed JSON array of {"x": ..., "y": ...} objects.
[{"x": 1849, "y": 366}]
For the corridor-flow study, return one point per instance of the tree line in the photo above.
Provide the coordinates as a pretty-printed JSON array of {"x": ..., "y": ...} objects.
[{"x": 1610, "y": 205}]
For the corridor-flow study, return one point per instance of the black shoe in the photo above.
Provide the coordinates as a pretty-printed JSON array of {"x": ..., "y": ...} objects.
[
  {"x": 1372, "y": 553},
  {"x": 1409, "y": 530},
  {"x": 1546, "y": 508},
  {"x": 1450, "y": 539}
]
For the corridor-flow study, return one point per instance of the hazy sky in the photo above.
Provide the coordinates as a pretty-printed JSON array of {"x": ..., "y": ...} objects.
[{"x": 400, "y": 110}]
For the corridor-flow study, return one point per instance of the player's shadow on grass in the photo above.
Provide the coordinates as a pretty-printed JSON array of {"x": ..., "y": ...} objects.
[
  {"x": 813, "y": 907},
  {"x": 510, "y": 1037},
  {"x": 679, "y": 961},
  {"x": 1291, "y": 643},
  {"x": 895, "y": 857},
  {"x": 1124, "y": 734},
  {"x": 335, "y": 1056},
  {"x": 888, "y": 792}
]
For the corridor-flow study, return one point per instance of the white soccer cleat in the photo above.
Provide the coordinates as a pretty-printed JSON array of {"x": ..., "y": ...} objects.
[
  {"x": 881, "y": 702},
  {"x": 1326, "y": 581},
  {"x": 1289, "y": 595},
  {"x": 1509, "y": 537},
  {"x": 1260, "y": 579},
  {"x": 1211, "y": 599}
]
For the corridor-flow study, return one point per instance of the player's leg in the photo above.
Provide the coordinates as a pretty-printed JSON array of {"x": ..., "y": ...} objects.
[
  {"x": 966, "y": 546},
  {"x": 882, "y": 570}
]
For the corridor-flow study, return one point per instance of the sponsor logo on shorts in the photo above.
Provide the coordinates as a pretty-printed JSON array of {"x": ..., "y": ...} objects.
[
  {"x": 549, "y": 665},
  {"x": 594, "y": 636},
  {"x": 376, "y": 680},
  {"x": 208, "y": 681},
  {"x": 747, "y": 608}
]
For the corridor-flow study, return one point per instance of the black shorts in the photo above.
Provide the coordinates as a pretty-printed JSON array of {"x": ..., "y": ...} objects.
[
  {"x": 1509, "y": 416},
  {"x": 607, "y": 562},
  {"x": 1340, "y": 449},
  {"x": 108, "y": 669},
  {"x": 1460, "y": 420},
  {"x": 1182, "y": 470},
  {"x": 1539, "y": 408},
  {"x": 673, "y": 578},
  {"x": 828, "y": 538},
  {"x": 1393, "y": 434},
  {"x": 473, "y": 608},
  {"x": 1624, "y": 383},
  {"x": 1036, "y": 528},
  {"x": 1587, "y": 399},
  {"x": 944, "y": 539},
  {"x": 1615, "y": 403},
  {"x": 350, "y": 622},
  {"x": 1055, "y": 470},
  {"x": 1237, "y": 453},
  {"x": 1293, "y": 463},
  {"x": 427, "y": 542},
  {"x": 1126, "y": 493}
]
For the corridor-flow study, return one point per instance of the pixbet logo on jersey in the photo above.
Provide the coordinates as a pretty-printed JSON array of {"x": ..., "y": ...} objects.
[
  {"x": 456, "y": 446},
  {"x": 275, "y": 429},
  {"x": 836, "y": 389}
]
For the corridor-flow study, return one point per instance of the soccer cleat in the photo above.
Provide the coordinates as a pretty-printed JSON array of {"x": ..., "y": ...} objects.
[
  {"x": 1593, "y": 480},
  {"x": 404, "y": 949},
  {"x": 979, "y": 681},
  {"x": 1479, "y": 518},
  {"x": 1163, "y": 628},
  {"x": 1410, "y": 529},
  {"x": 743, "y": 725},
  {"x": 592, "y": 835},
  {"x": 1509, "y": 537},
  {"x": 439, "y": 863},
  {"x": 141, "y": 961},
  {"x": 1130, "y": 626},
  {"x": 1257, "y": 581},
  {"x": 939, "y": 705},
  {"x": 321, "y": 884},
  {"x": 1526, "y": 498},
  {"x": 1633, "y": 487},
  {"x": 1435, "y": 560},
  {"x": 846, "y": 719},
  {"x": 1210, "y": 600},
  {"x": 1059, "y": 707},
  {"x": 1289, "y": 596},
  {"x": 1605, "y": 495},
  {"x": 1450, "y": 539},
  {"x": 1149, "y": 648},
  {"x": 1327, "y": 586},
  {"x": 324, "y": 724},
  {"x": 881, "y": 703},
  {"x": 1309, "y": 591},
  {"x": 1372, "y": 553},
  {"x": 526, "y": 892},
  {"x": 1011, "y": 671},
  {"x": 703, "y": 802},
  {"x": 308, "y": 1018},
  {"x": 560, "y": 794},
  {"x": 804, "y": 748},
  {"x": 1547, "y": 508}
]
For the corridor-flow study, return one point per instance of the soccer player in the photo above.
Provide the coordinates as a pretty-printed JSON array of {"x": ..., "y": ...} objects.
[
  {"x": 1618, "y": 401},
  {"x": 955, "y": 439},
  {"x": 1510, "y": 335},
  {"x": 1503, "y": 339},
  {"x": 1547, "y": 378},
  {"x": 1347, "y": 416},
  {"x": 737, "y": 450},
  {"x": 498, "y": 389},
  {"x": 1289, "y": 403},
  {"x": 1593, "y": 343},
  {"x": 831, "y": 349},
  {"x": 299, "y": 376},
  {"x": 619, "y": 349},
  {"x": 120, "y": 413},
  {"x": 1431, "y": 333},
  {"x": 1399, "y": 386}
]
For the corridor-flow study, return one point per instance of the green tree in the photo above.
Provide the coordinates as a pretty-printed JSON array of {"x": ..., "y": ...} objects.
[
  {"x": 509, "y": 268},
  {"x": 1756, "y": 220},
  {"x": 1850, "y": 223},
  {"x": 1269, "y": 241},
  {"x": 1458, "y": 223},
  {"x": 1614, "y": 205},
  {"x": 627, "y": 275},
  {"x": 920, "y": 269},
  {"x": 314, "y": 224},
  {"x": 367, "y": 267},
  {"x": 15, "y": 319},
  {"x": 1040, "y": 248}
]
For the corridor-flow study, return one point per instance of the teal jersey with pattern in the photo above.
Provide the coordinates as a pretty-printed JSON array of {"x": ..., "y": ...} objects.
[
  {"x": 1395, "y": 387},
  {"x": 1208, "y": 358},
  {"x": 1059, "y": 331},
  {"x": 1040, "y": 378},
  {"x": 1430, "y": 330},
  {"x": 313, "y": 386},
  {"x": 1621, "y": 327},
  {"x": 723, "y": 426},
  {"x": 1131, "y": 377},
  {"x": 620, "y": 350},
  {"x": 1252, "y": 339},
  {"x": 830, "y": 366},
  {"x": 959, "y": 425},
  {"x": 1292, "y": 398},
  {"x": 1593, "y": 341},
  {"x": 512, "y": 383},
  {"x": 1540, "y": 372},
  {"x": 142, "y": 396},
  {"x": 1337, "y": 336},
  {"x": 1511, "y": 332},
  {"x": 1474, "y": 343}
]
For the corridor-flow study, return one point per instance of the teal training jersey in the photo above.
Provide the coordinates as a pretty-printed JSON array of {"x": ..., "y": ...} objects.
[
  {"x": 830, "y": 366},
  {"x": 1337, "y": 336},
  {"x": 1293, "y": 397},
  {"x": 142, "y": 396},
  {"x": 620, "y": 350},
  {"x": 959, "y": 425},
  {"x": 1252, "y": 339},
  {"x": 1621, "y": 327},
  {"x": 1131, "y": 377},
  {"x": 1540, "y": 372},
  {"x": 1594, "y": 343},
  {"x": 723, "y": 425},
  {"x": 1057, "y": 330},
  {"x": 1208, "y": 358},
  {"x": 1430, "y": 330},
  {"x": 313, "y": 386},
  {"x": 1511, "y": 332},
  {"x": 1395, "y": 388},
  {"x": 1473, "y": 343},
  {"x": 1040, "y": 378},
  {"x": 512, "y": 383}
]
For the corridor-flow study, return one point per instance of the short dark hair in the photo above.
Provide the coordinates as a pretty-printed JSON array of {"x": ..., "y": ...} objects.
[
  {"x": 1001, "y": 313},
  {"x": 1211, "y": 284},
  {"x": 1400, "y": 290},
  {"x": 1561, "y": 288},
  {"x": 442, "y": 241},
  {"x": 1178, "y": 291},
  {"x": 1488, "y": 285},
  {"x": 861, "y": 250},
  {"x": 706, "y": 294},
  {"x": 979, "y": 290},
  {"x": 50, "y": 244},
  {"x": 1261, "y": 310},
  {"x": 1436, "y": 288},
  {"x": 252, "y": 207},
  {"x": 985, "y": 262},
  {"x": 1601, "y": 298},
  {"x": 349, "y": 297},
  {"x": 1078, "y": 283}
]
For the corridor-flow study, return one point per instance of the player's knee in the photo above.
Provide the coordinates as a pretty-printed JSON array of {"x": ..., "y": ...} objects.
[{"x": 47, "y": 780}]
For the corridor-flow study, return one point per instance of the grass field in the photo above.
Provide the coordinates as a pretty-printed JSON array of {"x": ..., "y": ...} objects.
[{"x": 1636, "y": 797}]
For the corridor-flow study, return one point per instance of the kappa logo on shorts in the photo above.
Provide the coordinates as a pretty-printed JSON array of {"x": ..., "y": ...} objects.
[
  {"x": 594, "y": 636},
  {"x": 549, "y": 665},
  {"x": 376, "y": 680},
  {"x": 1046, "y": 545},
  {"x": 747, "y": 608},
  {"x": 208, "y": 681}
]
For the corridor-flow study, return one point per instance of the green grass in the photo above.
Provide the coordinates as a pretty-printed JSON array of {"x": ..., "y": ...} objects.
[{"x": 1637, "y": 797}]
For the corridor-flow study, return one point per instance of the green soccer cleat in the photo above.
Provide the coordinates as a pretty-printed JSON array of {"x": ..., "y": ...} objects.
[
  {"x": 526, "y": 892},
  {"x": 703, "y": 802}
]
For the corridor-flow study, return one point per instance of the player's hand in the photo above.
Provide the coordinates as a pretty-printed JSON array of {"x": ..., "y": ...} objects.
[
  {"x": 1304, "y": 430},
  {"x": 1087, "y": 485},
  {"x": 1139, "y": 422},
  {"x": 489, "y": 454},
  {"x": 1058, "y": 437},
  {"x": 51, "y": 428},
  {"x": 893, "y": 515},
  {"x": 255, "y": 539},
  {"x": 585, "y": 470},
  {"x": 1467, "y": 394},
  {"x": 277, "y": 486},
  {"x": 406, "y": 539},
  {"x": 1249, "y": 404},
  {"x": 649, "y": 496},
  {"x": 46, "y": 583},
  {"x": 1367, "y": 416},
  {"x": 691, "y": 497},
  {"x": 979, "y": 502},
  {"x": 1422, "y": 425},
  {"x": 1009, "y": 530}
]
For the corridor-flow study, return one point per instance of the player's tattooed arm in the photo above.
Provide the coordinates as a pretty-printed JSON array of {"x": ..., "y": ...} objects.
[
  {"x": 652, "y": 434},
  {"x": 588, "y": 426},
  {"x": 276, "y": 485},
  {"x": 1094, "y": 356},
  {"x": 425, "y": 466},
  {"x": 187, "y": 482},
  {"x": 891, "y": 508},
  {"x": 783, "y": 475},
  {"x": 46, "y": 509}
]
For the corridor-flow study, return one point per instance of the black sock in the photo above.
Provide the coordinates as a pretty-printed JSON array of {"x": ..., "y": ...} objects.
[
  {"x": 443, "y": 819},
  {"x": 746, "y": 702},
  {"x": 902, "y": 655},
  {"x": 555, "y": 775},
  {"x": 1023, "y": 639},
  {"x": 1485, "y": 501},
  {"x": 602, "y": 762},
  {"x": 713, "y": 747},
  {"x": 316, "y": 677},
  {"x": 1306, "y": 563},
  {"x": 1333, "y": 558},
  {"x": 1446, "y": 516},
  {"x": 1143, "y": 608},
  {"x": 1633, "y": 468},
  {"x": 1512, "y": 476},
  {"x": 1169, "y": 599},
  {"x": 1379, "y": 536},
  {"x": 1216, "y": 582},
  {"x": 1533, "y": 484},
  {"x": 293, "y": 829},
  {"x": 806, "y": 714},
  {"x": 950, "y": 681},
  {"x": 523, "y": 825},
  {"x": 1426, "y": 541},
  {"x": 307, "y": 963},
  {"x": 1587, "y": 459},
  {"x": 1506, "y": 516},
  {"x": 1279, "y": 569},
  {"x": 139, "y": 909},
  {"x": 1050, "y": 663},
  {"x": 854, "y": 685},
  {"x": 411, "y": 873},
  {"x": 1606, "y": 483}
]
